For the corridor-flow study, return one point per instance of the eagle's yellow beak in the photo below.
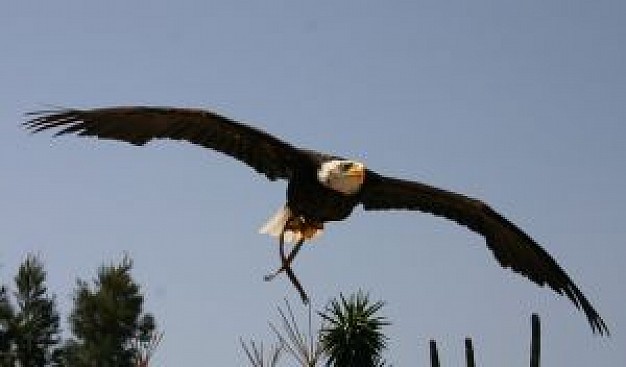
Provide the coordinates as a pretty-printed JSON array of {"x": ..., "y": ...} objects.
[
  {"x": 356, "y": 174},
  {"x": 357, "y": 170}
]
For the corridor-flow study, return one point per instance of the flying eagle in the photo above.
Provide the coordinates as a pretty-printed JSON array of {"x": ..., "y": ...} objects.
[{"x": 321, "y": 187}]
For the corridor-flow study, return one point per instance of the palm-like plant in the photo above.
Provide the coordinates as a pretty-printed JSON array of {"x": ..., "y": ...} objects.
[
  {"x": 257, "y": 357},
  {"x": 305, "y": 349},
  {"x": 352, "y": 332}
]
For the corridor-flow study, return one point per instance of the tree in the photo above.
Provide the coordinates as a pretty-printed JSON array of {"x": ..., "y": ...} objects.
[
  {"x": 108, "y": 322},
  {"x": 352, "y": 334},
  {"x": 37, "y": 321},
  {"x": 6, "y": 326},
  {"x": 257, "y": 356},
  {"x": 303, "y": 347},
  {"x": 29, "y": 330}
]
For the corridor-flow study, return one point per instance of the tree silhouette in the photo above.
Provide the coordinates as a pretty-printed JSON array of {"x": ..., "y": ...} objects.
[
  {"x": 257, "y": 356},
  {"x": 6, "y": 326},
  {"x": 108, "y": 322},
  {"x": 352, "y": 334},
  {"x": 29, "y": 331},
  {"x": 302, "y": 346}
]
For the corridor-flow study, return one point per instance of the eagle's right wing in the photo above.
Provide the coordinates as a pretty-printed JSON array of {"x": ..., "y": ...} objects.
[{"x": 138, "y": 125}]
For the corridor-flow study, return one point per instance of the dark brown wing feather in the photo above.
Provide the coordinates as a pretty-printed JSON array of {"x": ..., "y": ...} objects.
[
  {"x": 511, "y": 246},
  {"x": 138, "y": 125}
]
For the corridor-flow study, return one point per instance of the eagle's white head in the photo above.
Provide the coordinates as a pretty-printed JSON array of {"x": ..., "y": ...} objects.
[{"x": 344, "y": 176}]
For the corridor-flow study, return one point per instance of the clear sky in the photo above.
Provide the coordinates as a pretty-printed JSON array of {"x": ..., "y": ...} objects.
[{"x": 520, "y": 103}]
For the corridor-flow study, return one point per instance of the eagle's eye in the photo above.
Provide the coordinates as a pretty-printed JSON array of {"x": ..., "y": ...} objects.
[{"x": 346, "y": 166}]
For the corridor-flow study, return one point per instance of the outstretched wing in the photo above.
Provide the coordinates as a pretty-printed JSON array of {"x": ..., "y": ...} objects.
[
  {"x": 511, "y": 246},
  {"x": 138, "y": 125}
]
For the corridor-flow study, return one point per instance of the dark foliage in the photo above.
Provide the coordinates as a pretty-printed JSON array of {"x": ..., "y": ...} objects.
[
  {"x": 108, "y": 320},
  {"x": 108, "y": 325},
  {"x": 352, "y": 334},
  {"x": 29, "y": 328}
]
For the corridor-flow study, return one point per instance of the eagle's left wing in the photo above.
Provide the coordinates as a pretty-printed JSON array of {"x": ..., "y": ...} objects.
[{"x": 511, "y": 246}]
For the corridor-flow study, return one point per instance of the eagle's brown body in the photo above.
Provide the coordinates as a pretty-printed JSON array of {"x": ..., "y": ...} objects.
[{"x": 308, "y": 198}]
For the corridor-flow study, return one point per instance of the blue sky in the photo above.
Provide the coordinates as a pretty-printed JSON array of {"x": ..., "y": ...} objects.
[{"x": 518, "y": 103}]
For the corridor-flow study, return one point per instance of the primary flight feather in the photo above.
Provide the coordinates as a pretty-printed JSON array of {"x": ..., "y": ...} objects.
[{"x": 321, "y": 188}]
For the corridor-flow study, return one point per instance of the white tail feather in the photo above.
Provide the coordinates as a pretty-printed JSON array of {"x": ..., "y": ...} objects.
[{"x": 276, "y": 225}]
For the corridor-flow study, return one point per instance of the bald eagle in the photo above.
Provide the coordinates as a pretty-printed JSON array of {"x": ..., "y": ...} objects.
[{"x": 321, "y": 187}]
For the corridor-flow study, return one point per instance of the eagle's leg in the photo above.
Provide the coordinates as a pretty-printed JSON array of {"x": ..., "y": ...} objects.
[
  {"x": 290, "y": 273},
  {"x": 286, "y": 261},
  {"x": 281, "y": 249}
]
